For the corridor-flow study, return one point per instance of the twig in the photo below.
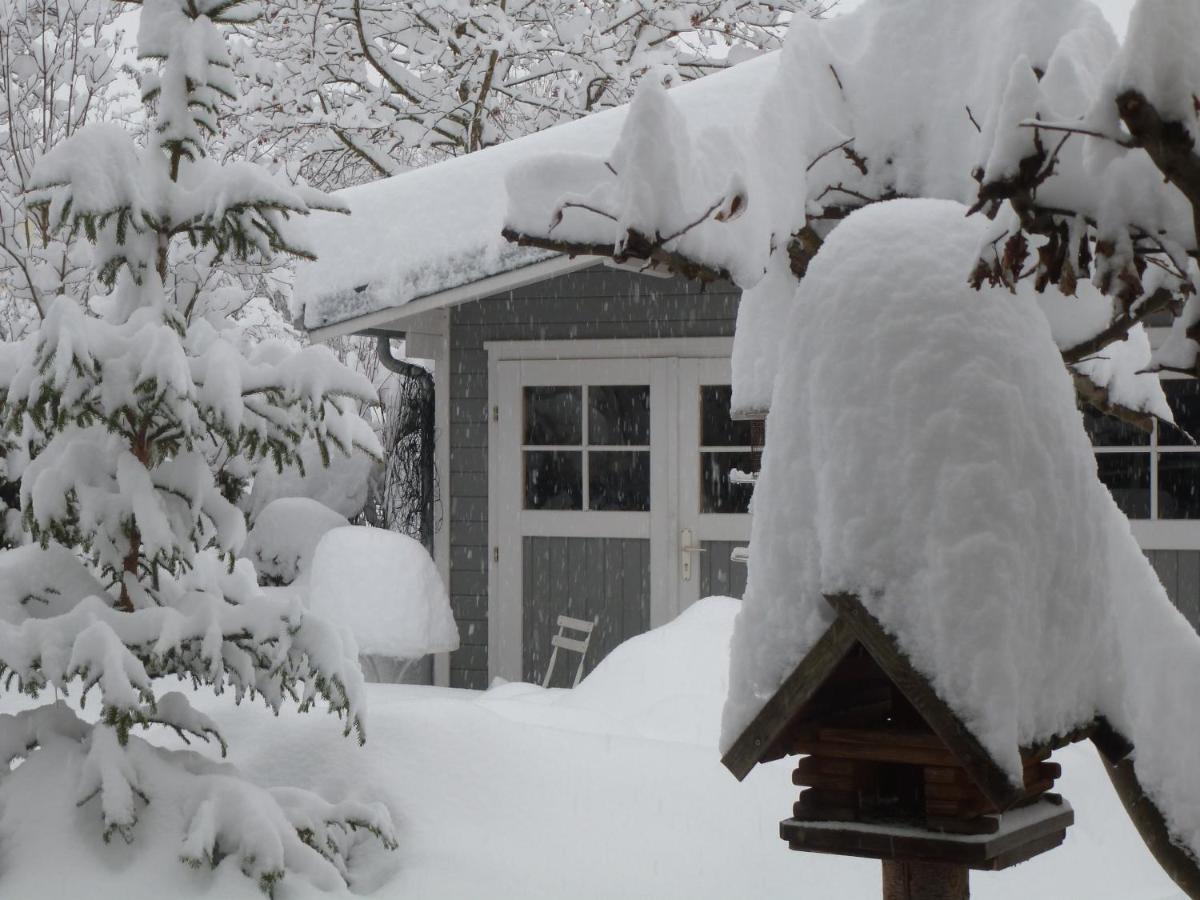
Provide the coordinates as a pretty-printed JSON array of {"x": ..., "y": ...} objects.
[
  {"x": 571, "y": 204},
  {"x": 1048, "y": 170},
  {"x": 686, "y": 228},
  {"x": 1072, "y": 129},
  {"x": 840, "y": 188},
  {"x": 824, "y": 153},
  {"x": 971, "y": 116},
  {"x": 836, "y": 78}
]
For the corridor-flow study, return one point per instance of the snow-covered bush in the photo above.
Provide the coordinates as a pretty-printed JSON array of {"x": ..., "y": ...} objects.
[
  {"x": 120, "y": 419},
  {"x": 385, "y": 588},
  {"x": 285, "y": 535}
]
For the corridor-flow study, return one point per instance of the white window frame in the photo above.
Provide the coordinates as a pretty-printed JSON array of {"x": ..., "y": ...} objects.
[{"x": 1155, "y": 533}]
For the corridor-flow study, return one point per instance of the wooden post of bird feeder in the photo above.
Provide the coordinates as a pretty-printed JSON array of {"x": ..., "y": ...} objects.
[
  {"x": 912, "y": 880},
  {"x": 889, "y": 771}
]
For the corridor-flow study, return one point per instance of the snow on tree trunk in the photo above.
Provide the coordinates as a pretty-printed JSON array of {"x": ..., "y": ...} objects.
[{"x": 119, "y": 418}]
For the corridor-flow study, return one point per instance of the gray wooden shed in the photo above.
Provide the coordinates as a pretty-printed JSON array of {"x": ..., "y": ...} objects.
[
  {"x": 585, "y": 454},
  {"x": 584, "y": 449}
]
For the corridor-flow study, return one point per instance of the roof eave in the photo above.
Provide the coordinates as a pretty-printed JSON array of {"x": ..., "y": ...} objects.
[{"x": 386, "y": 319}]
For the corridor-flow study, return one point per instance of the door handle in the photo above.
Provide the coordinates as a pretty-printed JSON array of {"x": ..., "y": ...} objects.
[{"x": 686, "y": 549}]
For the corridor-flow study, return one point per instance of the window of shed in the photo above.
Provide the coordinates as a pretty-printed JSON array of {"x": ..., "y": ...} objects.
[
  {"x": 727, "y": 447},
  {"x": 587, "y": 447},
  {"x": 1153, "y": 475}
]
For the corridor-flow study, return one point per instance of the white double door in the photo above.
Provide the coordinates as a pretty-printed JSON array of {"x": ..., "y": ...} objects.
[{"x": 609, "y": 494}]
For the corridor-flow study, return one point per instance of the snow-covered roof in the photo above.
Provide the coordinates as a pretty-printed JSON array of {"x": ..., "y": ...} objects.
[
  {"x": 925, "y": 453},
  {"x": 438, "y": 228}
]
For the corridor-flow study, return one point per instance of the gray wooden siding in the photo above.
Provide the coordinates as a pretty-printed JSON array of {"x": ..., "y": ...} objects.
[
  {"x": 1179, "y": 571},
  {"x": 720, "y": 576},
  {"x": 595, "y": 303},
  {"x": 586, "y": 578}
]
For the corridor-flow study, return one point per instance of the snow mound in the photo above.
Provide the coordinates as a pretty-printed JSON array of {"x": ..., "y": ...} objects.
[
  {"x": 285, "y": 536},
  {"x": 667, "y": 684},
  {"x": 385, "y": 588},
  {"x": 925, "y": 452},
  {"x": 670, "y": 682}
]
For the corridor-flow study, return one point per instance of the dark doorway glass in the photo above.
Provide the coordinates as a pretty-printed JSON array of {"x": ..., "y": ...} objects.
[
  {"x": 553, "y": 479},
  {"x": 1179, "y": 485},
  {"x": 717, "y": 429},
  {"x": 619, "y": 415},
  {"x": 553, "y": 416},
  {"x": 717, "y": 493},
  {"x": 619, "y": 480},
  {"x": 1127, "y": 477}
]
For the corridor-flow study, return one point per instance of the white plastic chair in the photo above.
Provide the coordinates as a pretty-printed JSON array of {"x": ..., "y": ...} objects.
[{"x": 561, "y": 642}]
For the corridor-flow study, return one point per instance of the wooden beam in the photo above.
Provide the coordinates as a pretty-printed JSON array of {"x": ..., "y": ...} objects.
[
  {"x": 763, "y": 733},
  {"x": 970, "y": 753}
]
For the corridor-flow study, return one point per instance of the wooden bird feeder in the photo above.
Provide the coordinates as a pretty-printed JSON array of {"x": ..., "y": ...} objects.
[{"x": 889, "y": 771}]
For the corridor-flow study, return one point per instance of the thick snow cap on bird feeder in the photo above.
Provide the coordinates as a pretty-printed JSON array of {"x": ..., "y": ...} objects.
[{"x": 941, "y": 591}]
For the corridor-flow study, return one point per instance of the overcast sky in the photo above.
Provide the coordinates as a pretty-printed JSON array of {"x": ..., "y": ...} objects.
[{"x": 1117, "y": 11}]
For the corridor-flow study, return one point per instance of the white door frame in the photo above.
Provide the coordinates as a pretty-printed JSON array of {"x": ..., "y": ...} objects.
[{"x": 642, "y": 361}]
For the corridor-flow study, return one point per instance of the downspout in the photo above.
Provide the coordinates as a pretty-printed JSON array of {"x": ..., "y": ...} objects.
[{"x": 383, "y": 349}]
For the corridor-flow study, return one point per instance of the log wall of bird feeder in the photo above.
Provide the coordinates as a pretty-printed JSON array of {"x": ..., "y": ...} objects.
[{"x": 886, "y": 770}]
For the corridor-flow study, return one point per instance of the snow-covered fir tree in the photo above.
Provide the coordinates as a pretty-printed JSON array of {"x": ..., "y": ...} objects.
[{"x": 122, "y": 418}]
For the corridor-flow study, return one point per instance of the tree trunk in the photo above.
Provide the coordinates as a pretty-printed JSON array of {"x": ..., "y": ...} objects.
[{"x": 912, "y": 880}]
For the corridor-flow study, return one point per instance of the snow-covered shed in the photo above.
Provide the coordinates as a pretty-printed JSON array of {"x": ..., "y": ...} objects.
[
  {"x": 584, "y": 435},
  {"x": 584, "y": 442}
]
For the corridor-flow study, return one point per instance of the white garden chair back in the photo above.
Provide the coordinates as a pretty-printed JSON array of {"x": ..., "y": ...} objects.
[{"x": 560, "y": 641}]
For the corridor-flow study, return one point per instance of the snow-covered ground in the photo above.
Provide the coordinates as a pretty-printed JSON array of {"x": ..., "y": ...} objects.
[{"x": 614, "y": 790}]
